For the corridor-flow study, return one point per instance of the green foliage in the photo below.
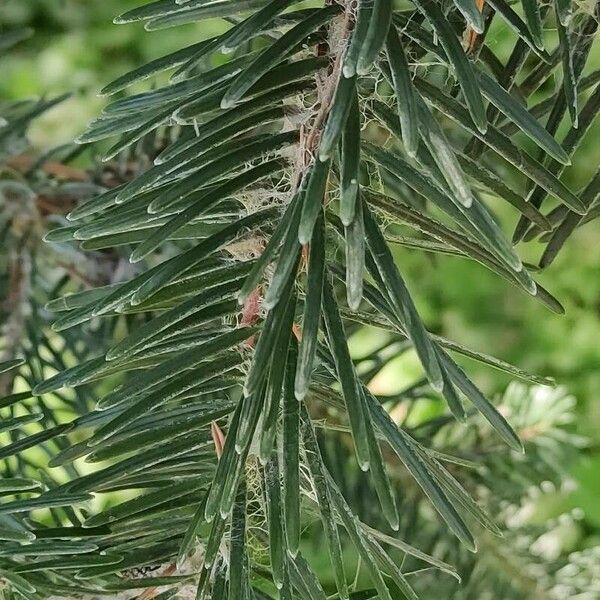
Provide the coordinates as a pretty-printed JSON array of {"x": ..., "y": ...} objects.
[{"x": 208, "y": 392}]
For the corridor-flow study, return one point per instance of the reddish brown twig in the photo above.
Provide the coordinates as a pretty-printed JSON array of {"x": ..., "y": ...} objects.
[
  {"x": 23, "y": 163},
  {"x": 218, "y": 438},
  {"x": 151, "y": 592},
  {"x": 471, "y": 36}
]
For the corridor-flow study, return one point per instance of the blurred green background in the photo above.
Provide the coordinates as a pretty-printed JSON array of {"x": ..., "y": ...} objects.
[{"x": 76, "y": 48}]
